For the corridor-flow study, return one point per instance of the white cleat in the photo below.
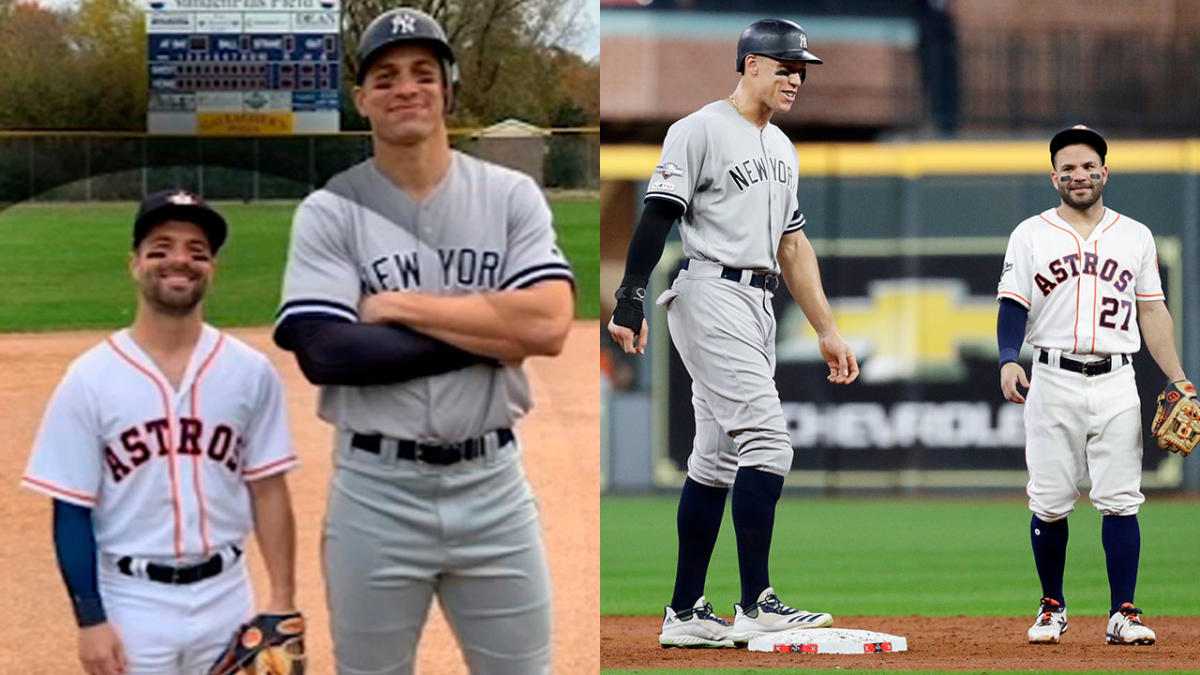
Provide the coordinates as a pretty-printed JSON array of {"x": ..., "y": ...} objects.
[
  {"x": 1126, "y": 627},
  {"x": 769, "y": 615},
  {"x": 695, "y": 627},
  {"x": 1050, "y": 624}
]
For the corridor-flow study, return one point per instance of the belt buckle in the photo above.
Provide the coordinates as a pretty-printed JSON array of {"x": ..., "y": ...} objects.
[
  {"x": 176, "y": 575},
  {"x": 1096, "y": 368}
]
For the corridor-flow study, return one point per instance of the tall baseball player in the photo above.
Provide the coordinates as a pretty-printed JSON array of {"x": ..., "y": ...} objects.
[
  {"x": 729, "y": 176},
  {"x": 416, "y": 283},
  {"x": 1079, "y": 280},
  {"x": 161, "y": 447}
]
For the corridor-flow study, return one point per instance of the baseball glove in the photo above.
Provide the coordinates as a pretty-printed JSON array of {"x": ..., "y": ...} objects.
[
  {"x": 1177, "y": 423},
  {"x": 271, "y": 644}
]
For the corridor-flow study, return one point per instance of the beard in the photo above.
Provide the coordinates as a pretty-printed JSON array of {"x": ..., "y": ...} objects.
[
  {"x": 171, "y": 302},
  {"x": 1081, "y": 202}
]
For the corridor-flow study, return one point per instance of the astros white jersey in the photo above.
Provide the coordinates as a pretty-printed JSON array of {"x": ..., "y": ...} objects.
[
  {"x": 485, "y": 228},
  {"x": 1081, "y": 294},
  {"x": 737, "y": 184},
  {"x": 164, "y": 470}
]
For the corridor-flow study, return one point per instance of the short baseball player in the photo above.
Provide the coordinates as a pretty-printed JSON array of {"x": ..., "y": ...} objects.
[
  {"x": 162, "y": 447},
  {"x": 416, "y": 283},
  {"x": 729, "y": 176},
  {"x": 1080, "y": 284}
]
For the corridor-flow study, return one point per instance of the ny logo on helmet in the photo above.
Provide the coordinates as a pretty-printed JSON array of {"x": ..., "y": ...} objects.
[
  {"x": 803, "y": 41},
  {"x": 404, "y": 23}
]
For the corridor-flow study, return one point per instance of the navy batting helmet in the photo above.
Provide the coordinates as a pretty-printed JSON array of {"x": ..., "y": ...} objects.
[
  {"x": 779, "y": 39},
  {"x": 405, "y": 25}
]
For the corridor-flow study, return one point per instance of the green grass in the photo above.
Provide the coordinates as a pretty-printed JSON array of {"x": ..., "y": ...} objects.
[
  {"x": 895, "y": 557},
  {"x": 64, "y": 266}
]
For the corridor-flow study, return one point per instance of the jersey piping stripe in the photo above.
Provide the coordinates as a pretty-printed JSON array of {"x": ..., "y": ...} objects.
[
  {"x": 1114, "y": 222},
  {"x": 1079, "y": 249},
  {"x": 314, "y": 305},
  {"x": 1151, "y": 295},
  {"x": 1095, "y": 292},
  {"x": 261, "y": 471},
  {"x": 172, "y": 430},
  {"x": 1016, "y": 297},
  {"x": 667, "y": 196},
  {"x": 556, "y": 269},
  {"x": 196, "y": 470},
  {"x": 47, "y": 486},
  {"x": 547, "y": 276}
]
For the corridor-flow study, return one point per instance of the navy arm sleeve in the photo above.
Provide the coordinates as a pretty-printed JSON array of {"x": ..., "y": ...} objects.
[
  {"x": 1010, "y": 329},
  {"x": 75, "y": 546},
  {"x": 333, "y": 351},
  {"x": 649, "y": 237}
]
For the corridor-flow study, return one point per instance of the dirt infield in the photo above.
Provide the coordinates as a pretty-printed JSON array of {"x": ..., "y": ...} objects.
[
  {"x": 934, "y": 643},
  {"x": 561, "y": 440}
]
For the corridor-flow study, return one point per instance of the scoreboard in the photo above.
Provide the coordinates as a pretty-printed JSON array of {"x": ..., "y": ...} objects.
[{"x": 243, "y": 67}]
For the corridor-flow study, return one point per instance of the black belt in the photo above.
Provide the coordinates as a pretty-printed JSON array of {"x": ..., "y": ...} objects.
[
  {"x": 179, "y": 575},
  {"x": 757, "y": 279},
  {"x": 441, "y": 455},
  {"x": 1085, "y": 369}
]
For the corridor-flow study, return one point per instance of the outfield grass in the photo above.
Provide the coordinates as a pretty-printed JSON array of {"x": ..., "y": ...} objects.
[
  {"x": 897, "y": 557},
  {"x": 64, "y": 266}
]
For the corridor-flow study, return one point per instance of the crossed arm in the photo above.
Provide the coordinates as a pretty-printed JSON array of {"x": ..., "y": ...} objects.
[{"x": 504, "y": 325}]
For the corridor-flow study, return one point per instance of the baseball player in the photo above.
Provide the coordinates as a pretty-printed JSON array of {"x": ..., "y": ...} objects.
[
  {"x": 416, "y": 283},
  {"x": 729, "y": 176},
  {"x": 1080, "y": 283},
  {"x": 161, "y": 447}
]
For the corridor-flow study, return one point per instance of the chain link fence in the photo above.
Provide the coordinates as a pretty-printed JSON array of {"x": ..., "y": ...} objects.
[{"x": 48, "y": 166}]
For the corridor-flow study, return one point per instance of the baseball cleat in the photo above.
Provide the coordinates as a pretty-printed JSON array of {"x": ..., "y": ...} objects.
[
  {"x": 695, "y": 627},
  {"x": 1126, "y": 627},
  {"x": 1050, "y": 624},
  {"x": 769, "y": 615}
]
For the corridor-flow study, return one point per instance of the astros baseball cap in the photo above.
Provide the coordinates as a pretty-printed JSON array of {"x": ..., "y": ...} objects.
[
  {"x": 179, "y": 205},
  {"x": 1078, "y": 134}
]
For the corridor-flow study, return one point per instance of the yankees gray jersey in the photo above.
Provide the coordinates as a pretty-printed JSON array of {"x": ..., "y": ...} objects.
[
  {"x": 485, "y": 228},
  {"x": 737, "y": 185}
]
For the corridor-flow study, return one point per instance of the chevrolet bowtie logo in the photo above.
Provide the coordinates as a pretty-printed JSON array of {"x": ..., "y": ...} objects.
[{"x": 903, "y": 329}]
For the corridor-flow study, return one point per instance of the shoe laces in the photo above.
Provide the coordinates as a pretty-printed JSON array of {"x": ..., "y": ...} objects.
[
  {"x": 772, "y": 603},
  {"x": 1131, "y": 613},
  {"x": 705, "y": 613},
  {"x": 1049, "y": 607}
]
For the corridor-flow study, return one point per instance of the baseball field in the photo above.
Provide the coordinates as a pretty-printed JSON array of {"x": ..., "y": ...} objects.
[
  {"x": 953, "y": 575},
  {"x": 64, "y": 285}
]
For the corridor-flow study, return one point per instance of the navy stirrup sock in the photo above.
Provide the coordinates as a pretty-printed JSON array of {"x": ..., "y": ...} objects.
[
  {"x": 755, "y": 494},
  {"x": 698, "y": 521},
  {"x": 1050, "y": 555},
  {"x": 1122, "y": 546}
]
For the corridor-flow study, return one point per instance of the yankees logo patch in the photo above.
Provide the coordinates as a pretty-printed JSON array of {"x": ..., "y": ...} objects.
[
  {"x": 404, "y": 23},
  {"x": 668, "y": 169}
]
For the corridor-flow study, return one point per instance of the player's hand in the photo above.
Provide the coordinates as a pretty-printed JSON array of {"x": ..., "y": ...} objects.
[
  {"x": 630, "y": 343},
  {"x": 100, "y": 651},
  {"x": 371, "y": 307},
  {"x": 1012, "y": 374},
  {"x": 843, "y": 367}
]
